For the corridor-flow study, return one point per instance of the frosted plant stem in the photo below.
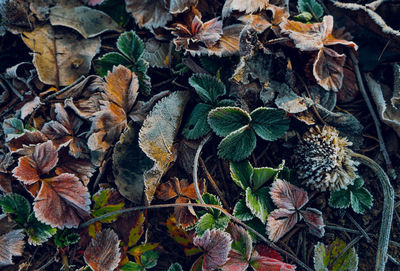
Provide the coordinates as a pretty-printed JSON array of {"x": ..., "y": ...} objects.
[
  {"x": 196, "y": 165},
  {"x": 387, "y": 212}
]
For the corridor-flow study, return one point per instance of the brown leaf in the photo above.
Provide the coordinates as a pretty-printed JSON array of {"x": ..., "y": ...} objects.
[
  {"x": 349, "y": 90},
  {"x": 43, "y": 159},
  {"x": 26, "y": 139},
  {"x": 103, "y": 253},
  {"x": 328, "y": 69},
  {"x": 149, "y": 13},
  {"x": 58, "y": 52},
  {"x": 185, "y": 216},
  {"x": 5, "y": 183},
  {"x": 243, "y": 6},
  {"x": 29, "y": 107},
  {"x": 11, "y": 244},
  {"x": 62, "y": 201}
]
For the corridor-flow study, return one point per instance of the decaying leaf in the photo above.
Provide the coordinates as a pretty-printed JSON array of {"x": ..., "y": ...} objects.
[
  {"x": 149, "y": 13},
  {"x": 157, "y": 135},
  {"x": 129, "y": 164},
  {"x": 156, "y": 53},
  {"x": 61, "y": 53},
  {"x": 29, "y": 107},
  {"x": 87, "y": 21},
  {"x": 325, "y": 256},
  {"x": 243, "y": 6},
  {"x": 179, "y": 6},
  {"x": 11, "y": 244},
  {"x": 216, "y": 245},
  {"x": 103, "y": 253}
]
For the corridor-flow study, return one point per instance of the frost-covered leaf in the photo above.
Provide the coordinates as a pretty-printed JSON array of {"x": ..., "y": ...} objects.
[
  {"x": 156, "y": 53},
  {"x": 241, "y": 211},
  {"x": 242, "y": 173},
  {"x": 216, "y": 245},
  {"x": 64, "y": 238},
  {"x": 288, "y": 196},
  {"x": 269, "y": 123},
  {"x": 17, "y": 205},
  {"x": 129, "y": 164},
  {"x": 259, "y": 202},
  {"x": 238, "y": 145},
  {"x": 62, "y": 201},
  {"x": 361, "y": 200},
  {"x": 179, "y": 6},
  {"x": 311, "y": 6},
  {"x": 328, "y": 69},
  {"x": 12, "y": 127},
  {"x": 280, "y": 222},
  {"x": 74, "y": 54},
  {"x": 87, "y": 21},
  {"x": 197, "y": 125},
  {"x": 157, "y": 135},
  {"x": 242, "y": 246},
  {"x": 175, "y": 267},
  {"x": 43, "y": 159},
  {"x": 340, "y": 198},
  {"x": 149, "y": 259},
  {"x": 103, "y": 254},
  {"x": 11, "y": 244},
  {"x": 325, "y": 256},
  {"x": 314, "y": 220},
  {"x": 106, "y": 201},
  {"x": 243, "y": 6},
  {"x": 37, "y": 231},
  {"x": 262, "y": 263},
  {"x": 149, "y": 13},
  {"x": 225, "y": 120},
  {"x": 181, "y": 237},
  {"x": 208, "y": 222},
  {"x": 208, "y": 87}
]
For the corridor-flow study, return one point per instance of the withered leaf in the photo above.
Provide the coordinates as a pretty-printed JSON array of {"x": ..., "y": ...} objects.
[
  {"x": 62, "y": 201},
  {"x": 328, "y": 69},
  {"x": 87, "y": 21},
  {"x": 149, "y": 13},
  {"x": 11, "y": 244},
  {"x": 243, "y": 6},
  {"x": 157, "y": 135},
  {"x": 103, "y": 254},
  {"x": 72, "y": 54}
]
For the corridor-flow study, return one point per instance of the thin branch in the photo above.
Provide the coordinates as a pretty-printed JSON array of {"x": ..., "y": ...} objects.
[
  {"x": 377, "y": 123},
  {"x": 362, "y": 231},
  {"x": 193, "y": 66},
  {"x": 387, "y": 212},
  {"x": 216, "y": 207},
  {"x": 196, "y": 165},
  {"x": 61, "y": 91}
]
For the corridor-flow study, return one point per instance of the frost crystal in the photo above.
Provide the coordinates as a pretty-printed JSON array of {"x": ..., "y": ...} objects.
[{"x": 324, "y": 160}]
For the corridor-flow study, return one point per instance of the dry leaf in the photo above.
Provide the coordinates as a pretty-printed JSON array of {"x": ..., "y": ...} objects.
[
  {"x": 103, "y": 254},
  {"x": 149, "y": 13},
  {"x": 29, "y": 107},
  {"x": 57, "y": 51},
  {"x": 328, "y": 69},
  {"x": 87, "y": 21},
  {"x": 157, "y": 135},
  {"x": 179, "y": 6},
  {"x": 26, "y": 139},
  {"x": 243, "y": 6},
  {"x": 11, "y": 244},
  {"x": 62, "y": 201}
]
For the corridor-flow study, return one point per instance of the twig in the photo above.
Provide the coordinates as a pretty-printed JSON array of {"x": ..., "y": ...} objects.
[
  {"x": 11, "y": 87},
  {"x": 61, "y": 91},
  {"x": 195, "y": 166},
  {"x": 387, "y": 212},
  {"x": 374, "y": 5},
  {"x": 56, "y": 64},
  {"x": 193, "y": 66},
  {"x": 216, "y": 207},
  {"x": 215, "y": 186},
  {"x": 374, "y": 117},
  {"x": 359, "y": 228}
]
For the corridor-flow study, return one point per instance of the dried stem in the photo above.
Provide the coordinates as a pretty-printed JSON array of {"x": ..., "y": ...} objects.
[
  {"x": 387, "y": 212},
  {"x": 196, "y": 165},
  {"x": 216, "y": 207},
  {"x": 374, "y": 117}
]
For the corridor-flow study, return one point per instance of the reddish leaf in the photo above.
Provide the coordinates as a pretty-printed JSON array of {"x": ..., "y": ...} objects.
[
  {"x": 280, "y": 221},
  {"x": 11, "y": 244},
  {"x": 241, "y": 249},
  {"x": 266, "y": 251},
  {"x": 185, "y": 216},
  {"x": 27, "y": 138},
  {"x": 62, "y": 201},
  {"x": 216, "y": 245},
  {"x": 43, "y": 159},
  {"x": 103, "y": 253},
  {"x": 314, "y": 220},
  {"x": 286, "y": 195},
  {"x": 82, "y": 168},
  {"x": 328, "y": 69},
  {"x": 261, "y": 263},
  {"x": 236, "y": 262},
  {"x": 29, "y": 107}
]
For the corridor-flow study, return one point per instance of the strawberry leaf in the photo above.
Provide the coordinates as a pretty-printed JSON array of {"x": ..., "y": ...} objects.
[
  {"x": 238, "y": 145},
  {"x": 11, "y": 244},
  {"x": 149, "y": 259},
  {"x": 269, "y": 123},
  {"x": 311, "y": 6},
  {"x": 225, "y": 120},
  {"x": 175, "y": 267},
  {"x": 241, "y": 211},
  {"x": 17, "y": 205},
  {"x": 259, "y": 202},
  {"x": 197, "y": 125},
  {"x": 242, "y": 173},
  {"x": 208, "y": 87}
]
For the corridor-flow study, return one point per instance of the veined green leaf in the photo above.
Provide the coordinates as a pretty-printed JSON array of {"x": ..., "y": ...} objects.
[
  {"x": 238, "y": 145},
  {"x": 259, "y": 202},
  {"x": 242, "y": 212},
  {"x": 242, "y": 173},
  {"x": 311, "y": 6},
  {"x": 225, "y": 120},
  {"x": 269, "y": 123},
  {"x": 208, "y": 87},
  {"x": 130, "y": 45},
  {"x": 197, "y": 125}
]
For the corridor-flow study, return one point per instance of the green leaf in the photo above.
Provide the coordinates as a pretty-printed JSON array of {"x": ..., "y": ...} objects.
[
  {"x": 269, "y": 123},
  {"x": 149, "y": 259},
  {"x": 208, "y": 87},
  {"x": 129, "y": 164},
  {"x": 109, "y": 60},
  {"x": 258, "y": 226},
  {"x": 140, "y": 69},
  {"x": 37, "y": 231},
  {"x": 17, "y": 205},
  {"x": 175, "y": 267},
  {"x": 304, "y": 17},
  {"x": 208, "y": 221},
  {"x": 141, "y": 249},
  {"x": 130, "y": 45},
  {"x": 12, "y": 127},
  {"x": 212, "y": 200},
  {"x": 325, "y": 256},
  {"x": 361, "y": 200},
  {"x": 103, "y": 206},
  {"x": 225, "y": 103},
  {"x": 116, "y": 10},
  {"x": 311, "y": 6},
  {"x": 242, "y": 212},
  {"x": 131, "y": 266},
  {"x": 242, "y": 173},
  {"x": 259, "y": 202},
  {"x": 197, "y": 125},
  {"x": 225, "y": 120},
  {"x": 340, "y": 198},
  {"x": 136, "y": 231},
  {"x": 358, "y": 183},
  {"x": 238, "y": 145},
  {"x": 262, "y": 175},
  {"x": 64, "y": 238}
]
